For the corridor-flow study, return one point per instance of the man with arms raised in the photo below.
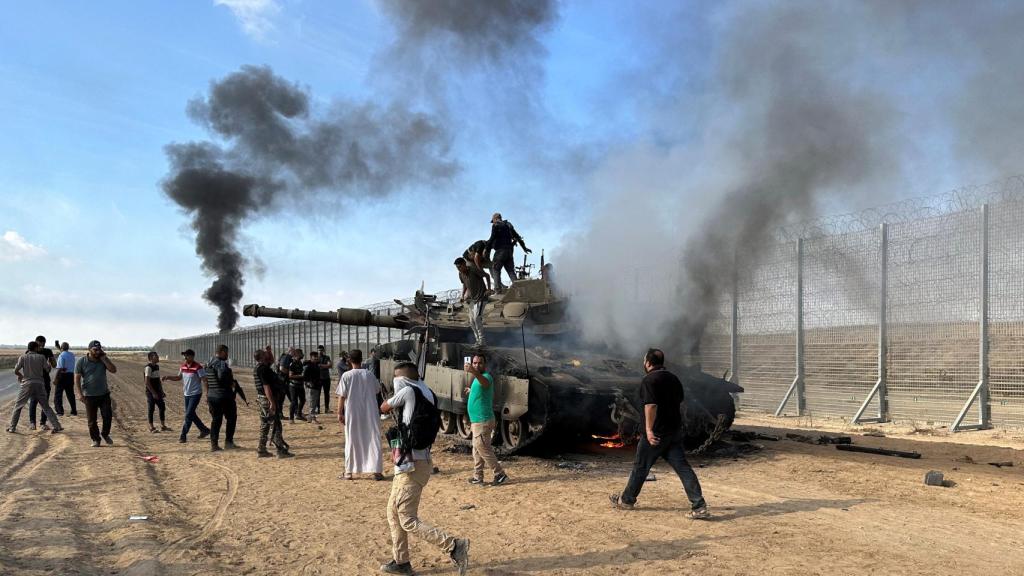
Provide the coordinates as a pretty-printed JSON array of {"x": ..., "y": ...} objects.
[
  {"x": 358, "y": 416},
  {"x": 661, "y": 393},
  {"x": 409, "y": 481},
  {"x": 480, "y": 407}
]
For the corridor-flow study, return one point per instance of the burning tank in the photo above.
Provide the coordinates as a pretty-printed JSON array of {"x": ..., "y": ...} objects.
[{"x": 546, "y": 384}]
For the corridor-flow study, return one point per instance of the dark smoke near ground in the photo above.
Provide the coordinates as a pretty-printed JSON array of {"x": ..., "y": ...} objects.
[
  {"x": 807, "y": 106},
  {"x": 275, "y": 150}
]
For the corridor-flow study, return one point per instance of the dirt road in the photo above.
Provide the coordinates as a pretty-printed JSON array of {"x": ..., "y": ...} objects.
[{"x": 792, "y": 508}]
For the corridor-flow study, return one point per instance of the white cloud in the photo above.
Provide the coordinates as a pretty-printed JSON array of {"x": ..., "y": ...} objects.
[
  {"x": 256, "y": 16},
  {"x": 14, "y": 248}
]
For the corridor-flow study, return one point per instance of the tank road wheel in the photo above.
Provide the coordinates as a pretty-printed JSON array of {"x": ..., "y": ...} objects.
[
  {"x": 447, "y": 422},
  {"x": 513, "y": 433},
  {"x": 463, "y": 426}
]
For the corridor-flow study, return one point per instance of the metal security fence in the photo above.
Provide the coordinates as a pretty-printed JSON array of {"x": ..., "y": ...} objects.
[{"x": 910, "y": 312}]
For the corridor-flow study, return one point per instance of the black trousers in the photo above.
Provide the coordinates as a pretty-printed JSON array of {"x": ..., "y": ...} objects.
[
  {"x": 153, "y": 402},
  {"x": 297, "y": 398},
  {"x": 502, "y": 261},
  {"x": 34, "y": 404},
  {"x": 326, "y": 385},
  {"x": 65, "y": 386},
  {"x": 101, "y": 405},
  {"x": 222, "y": 408},
  {"x": 671, "y": 449}
]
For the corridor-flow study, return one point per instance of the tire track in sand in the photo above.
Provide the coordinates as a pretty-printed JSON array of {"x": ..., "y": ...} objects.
[{"x": 175, "y": 550}]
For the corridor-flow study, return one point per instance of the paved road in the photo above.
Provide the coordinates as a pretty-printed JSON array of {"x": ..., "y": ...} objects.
[{"x": 8, "y": 386}]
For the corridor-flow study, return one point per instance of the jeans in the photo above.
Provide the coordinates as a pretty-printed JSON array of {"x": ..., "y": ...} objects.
[
  {"x": 34, "y": 402},
  {"x": 191, "y": 403},
  {"x": 222, "y": 408},
  {"x": 152, "y": 403},
  {"x": 483, "y": 450},
  {"x": 671, "y": 449},
  {"x": 403, "y": 513},
  {"x": 100, "y": 404},
  {"x": 65, "y": 386},
  {"x": 313, "y": 399},
  {"x": 297, "y": 400},
  {"x": 32, "y": 390},
  {"x": 502, "y": 261}
]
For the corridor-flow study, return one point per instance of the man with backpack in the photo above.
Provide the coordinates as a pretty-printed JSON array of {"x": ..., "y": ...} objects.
[{"x": 418, "y": 424}]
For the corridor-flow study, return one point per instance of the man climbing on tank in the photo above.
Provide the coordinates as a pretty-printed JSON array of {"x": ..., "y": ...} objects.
[
  {"x": 476, "y": 256},
  {"x": 474, "y": 294},
  {"x": 503, "y": 241}
]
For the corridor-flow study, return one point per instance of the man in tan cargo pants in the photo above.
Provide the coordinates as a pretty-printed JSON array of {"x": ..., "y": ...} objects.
[{"x": 480, "y": 407}]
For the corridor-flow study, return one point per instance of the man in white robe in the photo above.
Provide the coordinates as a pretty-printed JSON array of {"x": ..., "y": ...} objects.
[{"x": 359, "y": 415}]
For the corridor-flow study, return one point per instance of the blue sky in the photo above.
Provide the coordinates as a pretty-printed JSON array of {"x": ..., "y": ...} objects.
[{"x": 90, "y": 93}]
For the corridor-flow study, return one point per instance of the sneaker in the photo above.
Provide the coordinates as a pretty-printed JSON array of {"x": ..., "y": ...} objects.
[
  {"x": 153, "y": 429},
  {"x": 500, "y": 479},
  {"x": 215, "y": 448},
  {"x": 57, "y": 429},
  {"x": 95, "y": 443},
  {"x": 263, "y": 454},
  {"x": 229, "y": 445},
  {"x": 475, "y": 480},
  {"x": 204, "y": 434},
  {"x": 393, "y": 567},
  {"x": 163, "y": 427},
  {"x": 108, "y": 440},
  {"x": 285, "y": 455},
  {"x": 31, "y": 426},
  {"x": 11, "y": 430},
  {"x": 701, "y": 513},
  {"x": 618, "y": 504},
  {"x": 44, "y": 427},
  {"x": 460, "y": 555},
  {"x": 378, "y": 476},
  {"x": 182, "y": 440}
]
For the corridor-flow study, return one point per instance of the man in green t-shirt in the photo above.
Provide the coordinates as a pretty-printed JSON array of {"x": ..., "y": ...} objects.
[{"x": 480, "y": 407}]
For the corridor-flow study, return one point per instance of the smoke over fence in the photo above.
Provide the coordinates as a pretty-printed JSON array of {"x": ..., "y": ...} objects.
[{"x": 275, "y": 150}]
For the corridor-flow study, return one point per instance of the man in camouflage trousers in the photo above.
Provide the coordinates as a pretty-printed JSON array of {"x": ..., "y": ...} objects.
[{"x": 270, "y": 393}]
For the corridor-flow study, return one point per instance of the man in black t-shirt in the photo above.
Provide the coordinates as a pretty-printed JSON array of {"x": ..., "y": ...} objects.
[
  {"x": 503, "y": 241},
  {"x": 474, "y": 294},
  {"x": 661, "y": 393},
  {"x": 296, "y": 388},
  {"x": 477, "y": 257},
  {"x": 270, "y": 393}
]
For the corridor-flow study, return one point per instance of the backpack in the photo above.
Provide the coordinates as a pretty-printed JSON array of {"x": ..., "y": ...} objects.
[{"x": 422, "y": 429}]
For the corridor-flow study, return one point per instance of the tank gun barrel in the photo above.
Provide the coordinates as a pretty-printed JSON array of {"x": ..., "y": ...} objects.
[{"x": 346, "y": 316}]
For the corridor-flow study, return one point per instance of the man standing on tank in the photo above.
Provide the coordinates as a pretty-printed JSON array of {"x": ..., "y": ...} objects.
[
  {"x": 480, "y": 407},
  {"x": 474, "y": 294},
  {"x": 503, "y": 241},
  {"x": 661, "y": 393},
  {"x": 220, "y": 397}
]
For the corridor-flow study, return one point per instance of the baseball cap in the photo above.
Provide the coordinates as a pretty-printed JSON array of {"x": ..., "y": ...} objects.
[
  {"x": 496, "y": 216},
  {"x": 189, "y": 352},
  {"x": 95, "y": 344}
]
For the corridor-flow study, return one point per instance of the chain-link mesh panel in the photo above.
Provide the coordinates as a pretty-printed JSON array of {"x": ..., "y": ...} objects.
[
  {"x": 767, "y": 328},
  {"x": 716, "y": 343},
  {"x": 841, "y": 309},
  {"x": 934, "y": 291},
  {"x": 1006, "y": 312}
]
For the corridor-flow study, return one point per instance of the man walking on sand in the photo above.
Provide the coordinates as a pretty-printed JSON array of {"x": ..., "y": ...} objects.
[
  {"x": 32, "y": 403},
  {"x": 220, "y": 397},
  {"x": 30, "y": 369},
  {"x": 480, "y": 407},
  {"x": 191, "y": 375},
  {"x": 270, "y": 392},
  {"x": 661, "y": 393},
  {"x": 359, "y": 417},
  {"x": 92, "y": 389},
  {"x": 409, "y": 481}
]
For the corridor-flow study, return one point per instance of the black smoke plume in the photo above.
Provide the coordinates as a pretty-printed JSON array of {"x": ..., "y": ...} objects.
[{"x": 276, "y": 151}]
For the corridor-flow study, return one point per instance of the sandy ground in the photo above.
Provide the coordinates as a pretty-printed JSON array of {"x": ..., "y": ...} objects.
[{"x": 792, "y": 508}]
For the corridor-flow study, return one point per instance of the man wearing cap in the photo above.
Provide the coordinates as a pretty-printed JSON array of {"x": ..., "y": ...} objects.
[
  {"x": 30, "y": 369},
  {"x": 503, "y": 241},
  {"x": 92, "y": 389},
  {"x": 192, "y": 377}
]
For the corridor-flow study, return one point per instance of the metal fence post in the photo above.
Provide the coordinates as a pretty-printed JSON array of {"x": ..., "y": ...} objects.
[
  {"x": 880, "y": 389},
  {"x": 797, "y": 386},
  {"x": 734, "y": 338},
  {"x": 981, "y": 390}
]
